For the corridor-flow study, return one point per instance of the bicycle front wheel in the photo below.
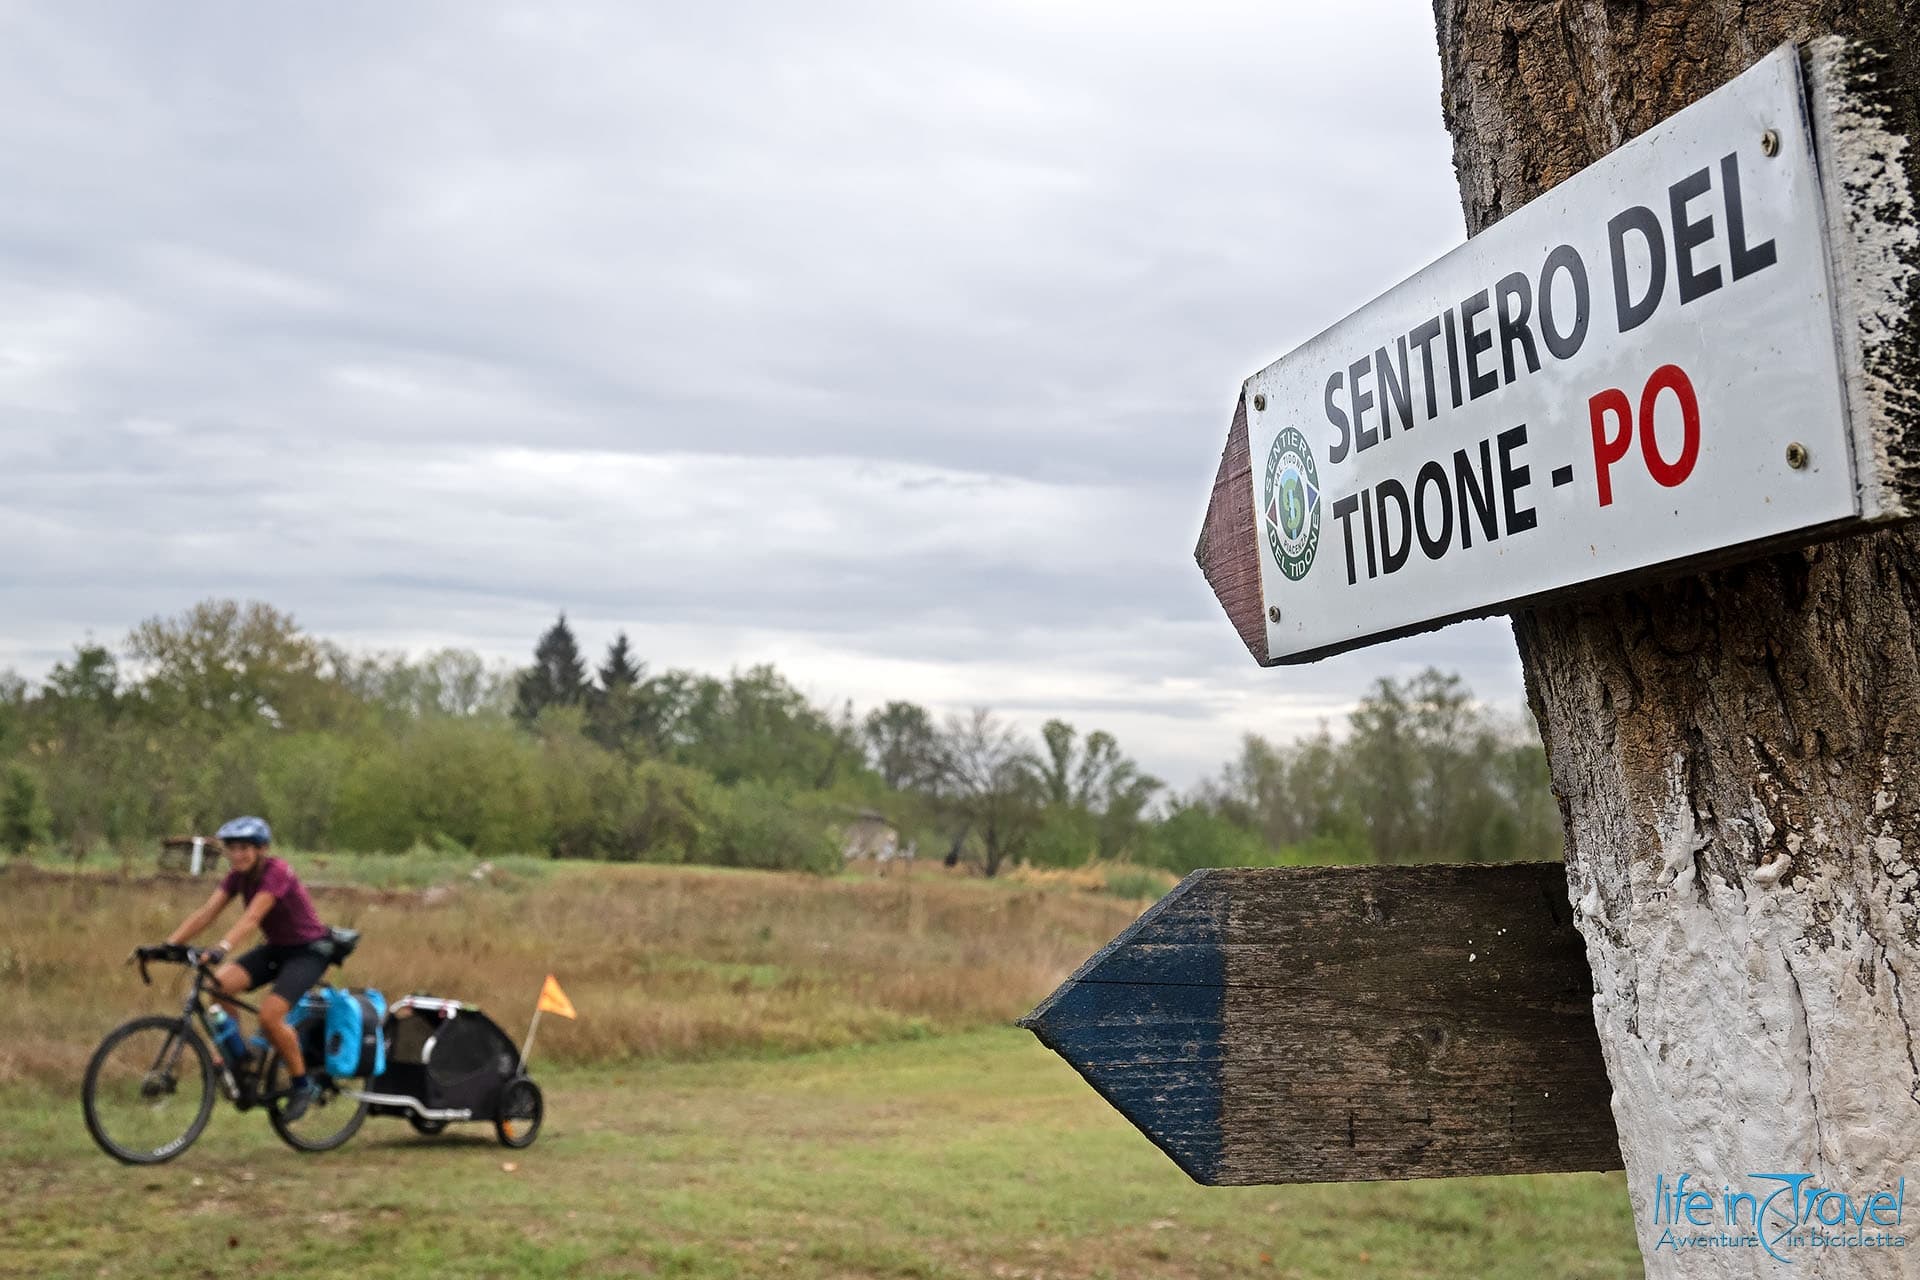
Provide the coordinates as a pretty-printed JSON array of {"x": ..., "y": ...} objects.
[
  {"x": 148, "y": 1090},
  {"x": 330, "y": 1120}
]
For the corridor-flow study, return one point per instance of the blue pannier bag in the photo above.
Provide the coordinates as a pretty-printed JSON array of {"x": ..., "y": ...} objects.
[{"x": 355, "y": 1046}]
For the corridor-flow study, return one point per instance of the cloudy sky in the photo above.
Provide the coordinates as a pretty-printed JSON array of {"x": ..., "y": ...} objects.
[{"x": 890, "y": 343}]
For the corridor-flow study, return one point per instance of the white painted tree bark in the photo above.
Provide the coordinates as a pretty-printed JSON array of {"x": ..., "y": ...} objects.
[{"x": 1738, "y": 752}]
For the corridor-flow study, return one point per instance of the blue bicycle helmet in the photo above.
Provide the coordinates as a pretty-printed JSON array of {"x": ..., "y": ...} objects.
[{"x": 253, "y": 830}]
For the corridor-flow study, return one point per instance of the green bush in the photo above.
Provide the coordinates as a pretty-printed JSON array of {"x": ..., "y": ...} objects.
[
  {"x": 23, "y": 814},
  {"x": 654, "y": 811},
  {"x": 666, "y": 813},
  {"x": 758, "y": 826},
  {"x": 1068, "y": 836},
  {"x": 1350, "y": 849},
  {"x": 1136, "y": 883},
  {"x": 476, "y": 782},
  {"x": 1194, "y": 837},
  {"x": 583, "y": 786}
]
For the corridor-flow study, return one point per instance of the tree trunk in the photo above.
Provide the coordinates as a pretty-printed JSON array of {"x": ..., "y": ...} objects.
[{"x": 1737, "y": 753}]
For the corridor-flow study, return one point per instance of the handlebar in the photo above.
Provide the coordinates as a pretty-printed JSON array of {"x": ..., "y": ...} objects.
[{"x": 168, "y": 953}]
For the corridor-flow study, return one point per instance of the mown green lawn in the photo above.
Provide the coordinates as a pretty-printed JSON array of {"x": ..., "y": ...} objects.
[{"x": 968, "y": 1155}]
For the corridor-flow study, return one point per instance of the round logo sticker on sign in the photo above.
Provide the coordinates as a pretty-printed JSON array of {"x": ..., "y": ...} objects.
[{"x": 1291, "y": 506}]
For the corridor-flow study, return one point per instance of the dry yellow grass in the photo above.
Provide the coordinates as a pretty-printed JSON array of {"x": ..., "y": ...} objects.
[
  {"x": 1095, "y": 877},
  {"x": 661, "y": 962}
]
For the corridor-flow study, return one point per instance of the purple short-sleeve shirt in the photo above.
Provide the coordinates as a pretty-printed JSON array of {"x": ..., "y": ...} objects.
[{"x": 291, "y": 920}]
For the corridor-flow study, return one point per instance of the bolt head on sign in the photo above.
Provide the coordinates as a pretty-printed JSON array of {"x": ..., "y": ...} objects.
[{"x": 1609, "y": 383}]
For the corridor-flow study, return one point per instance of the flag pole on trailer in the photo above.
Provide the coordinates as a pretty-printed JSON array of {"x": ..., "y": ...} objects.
[
  {"x": 552, "y": 1000},
  {"x": 526, "y": 1047}
]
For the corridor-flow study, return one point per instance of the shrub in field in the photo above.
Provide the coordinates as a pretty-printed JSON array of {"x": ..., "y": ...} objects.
[
  {"x": 602, "y": 807},
  {"x": 584, "y": 785},
  {"x": 23, "y": 815},
  {"x": 758, "y": 826},
  {"x": 477, "y": 781},
  {"x": 1195, "y": 837},
  {"x": 1127, "y": 881},
  {"x": 665, "y": 814},
  {"x": 1324, "y": 851},
  {"x": 1068, "y": 836}
]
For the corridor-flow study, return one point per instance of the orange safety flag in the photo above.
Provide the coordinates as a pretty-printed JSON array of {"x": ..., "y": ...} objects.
[{"x": 554, "y": 1000}]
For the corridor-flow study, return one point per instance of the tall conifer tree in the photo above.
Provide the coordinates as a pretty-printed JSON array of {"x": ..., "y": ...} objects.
[
  {"x": 620, "y": 710},
  {"x": 619, "y": 669},
  {"x": 557, "y": 678}
]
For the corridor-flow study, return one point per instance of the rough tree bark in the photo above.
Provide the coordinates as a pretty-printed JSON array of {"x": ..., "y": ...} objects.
[{"x": 1737, "y": 753}]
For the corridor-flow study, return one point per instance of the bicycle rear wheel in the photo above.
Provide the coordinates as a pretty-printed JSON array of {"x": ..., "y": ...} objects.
[
  {"x": 148, "y": 1090},
  {"x": 330, "y": 1121}
]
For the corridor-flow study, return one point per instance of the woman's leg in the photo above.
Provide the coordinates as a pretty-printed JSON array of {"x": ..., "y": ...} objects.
[
  {"x": 243, "y": 973},
  {"x": 300, "y": 970},
  {"x": 230, "y": 980},
  {"x": 273, "y": 1021}
]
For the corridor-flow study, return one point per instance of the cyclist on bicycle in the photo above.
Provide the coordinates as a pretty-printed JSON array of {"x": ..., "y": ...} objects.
[{"x": 277, "y": 905}]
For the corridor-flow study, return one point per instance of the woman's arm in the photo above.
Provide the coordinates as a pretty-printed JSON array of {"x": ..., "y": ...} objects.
[
  {"x": 202, "y": 917},
  {"x": 249, "y": 920}
]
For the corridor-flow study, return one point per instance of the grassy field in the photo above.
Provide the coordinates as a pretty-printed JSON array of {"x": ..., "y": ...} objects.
[
  {"x": 976, "y": 1154},
  {"x": 772, "y": 1076},
  {"x": 672, "y": 962}
]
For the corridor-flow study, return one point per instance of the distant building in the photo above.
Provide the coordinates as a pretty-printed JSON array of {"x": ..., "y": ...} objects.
[{"x": 871, "y": 838}]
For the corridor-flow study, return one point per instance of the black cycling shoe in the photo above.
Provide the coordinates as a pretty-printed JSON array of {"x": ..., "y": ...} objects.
[{"x": 298, "y": 1099}]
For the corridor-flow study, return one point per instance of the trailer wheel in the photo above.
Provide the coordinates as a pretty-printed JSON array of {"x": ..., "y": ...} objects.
[
  {"x": 424, "y": 1126},
  {"x": 517, "y": 1121}
]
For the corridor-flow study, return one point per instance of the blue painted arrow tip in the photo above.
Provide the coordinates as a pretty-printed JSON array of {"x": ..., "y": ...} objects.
[{"x": 1142, "y": 1022}]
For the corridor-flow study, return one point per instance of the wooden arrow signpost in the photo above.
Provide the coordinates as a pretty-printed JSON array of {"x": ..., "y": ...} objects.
[
  {"x": 1698, "y": 350},
  {"x": 1339, "y": 1024}
]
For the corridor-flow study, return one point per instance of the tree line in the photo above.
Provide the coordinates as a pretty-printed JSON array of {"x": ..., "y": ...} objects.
[{"x": 231, "y": 707}]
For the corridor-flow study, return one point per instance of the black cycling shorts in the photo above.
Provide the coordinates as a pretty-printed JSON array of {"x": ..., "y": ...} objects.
[{"x": 292, "y": 970}]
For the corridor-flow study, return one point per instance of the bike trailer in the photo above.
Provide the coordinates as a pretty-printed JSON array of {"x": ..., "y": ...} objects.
[{"x": 445, "y": 1061}]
